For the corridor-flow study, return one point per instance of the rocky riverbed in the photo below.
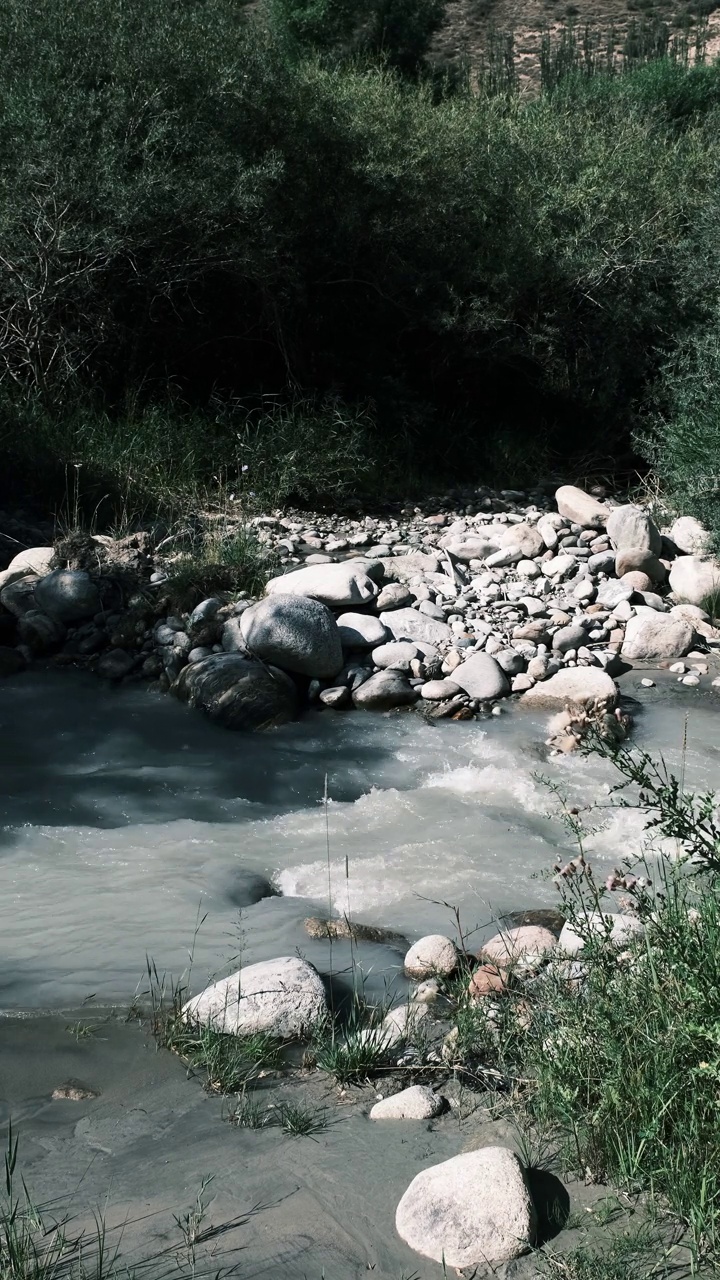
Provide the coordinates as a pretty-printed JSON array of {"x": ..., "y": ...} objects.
[{"x": 452, "y": 611}]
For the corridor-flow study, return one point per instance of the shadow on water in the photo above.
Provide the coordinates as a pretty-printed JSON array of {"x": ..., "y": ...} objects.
[{"x": 77, "y": 752}]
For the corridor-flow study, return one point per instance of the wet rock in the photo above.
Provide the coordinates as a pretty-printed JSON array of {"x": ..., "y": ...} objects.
[
  {"x": 74, "y": 1091},
  {"x": 19, "y": 597},
  {"x": 652, "y": 637},
  {"x": 431, "y": 956},
  {"x": 295, "y": 633},
  {"x": 283, "y": 997},
  {"x": 337, "y": 697},
  {"x": 416, "y": 1103},
  {"x": 114, "y": 665},
  {"x": 474, "y": 1209},
  {"x": 385, "y": 690},
  {"x": 574, "y": 686},
  {"x": 69, "y": 595},
  {"x": 332, "y": 584},
  {"x": 340, "y": 927},
  {"x": 630, "y": 526},
  {"x": 39, "y": 631},
  {"x": 693, "y": 581},
  {"x": 581, "y": 508},
  {"x": 245, "y": 888},
  {"x": 238, "y": 692},
  {"x": 361, "y": 631}
]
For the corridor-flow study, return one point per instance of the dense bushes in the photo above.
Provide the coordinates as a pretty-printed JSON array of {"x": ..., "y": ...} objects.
[{"x": 190, "y": 213}]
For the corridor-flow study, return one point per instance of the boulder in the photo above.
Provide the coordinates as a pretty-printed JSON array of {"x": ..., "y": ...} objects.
[
  {"x": 39, "y": 631},
  {"x": 18, "y": 597},
  {"x": 689, "y": 536},
  {"x": 525, "y": 537},
  {"x": 581, "y": 508},
  {"x": 332, "y": 584},
  {"x": 573, "y": 686},
  {"x": 475, "y": 1209},
  {"x": 525, "y": 942},
  {"x": 296, "y": 633},
  {"x": 639, "y": 560},
  {"x": 652, "y": 636},
  {"x": 337, "y": 697},
  {"x": 696, "y": 581},
  {"x": 409, "y": 624},
  {"x": 385, "y": 690},
  {"x": 437, "y": 690},
  {"x": 115, "y": 664},
  {"x": 416, "y": 1103},
  {"x": 36, "y": 560},
  {"x": 631, "y": 526},
  {"x": 431, "y": 956},
  {"x": 481, "y": 677},
  {"x": 238, "y": 692},
  {"x": 361, "y": 631},
  {"x": 283, "y": 998},
  {"x": 398, "y": 655},
  {"x": 619, "y": 930},
  {"x": 70, "y": 595}
]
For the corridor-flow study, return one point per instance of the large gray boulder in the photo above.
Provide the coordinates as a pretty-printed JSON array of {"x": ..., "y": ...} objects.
[
  {"x": 573, "y": 686},
  {"x": 337, "y": 585},
  {"x": 475, "y": 1209},
  {"x": 283, "y": 998},
  {"x": 581, "y": 508},
  {"x": 385, "y": 690},
  {"x": 696, "y": 581},
  {"x": 481, "y": 677},
  {"x": 70, "y": 595},
  {"x": 361, "y": 631},
  {"x": 652, "y": 637},
  {"x": 409, "y": 624},
  {"x": 631, "y": 526},
  {"x": 296, "y": 633},
  {"x": 237, "y": 691}
]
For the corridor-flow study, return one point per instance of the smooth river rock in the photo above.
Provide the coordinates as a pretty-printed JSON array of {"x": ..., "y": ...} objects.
[
  {"x": 409, "y": 624},
  {"x": 431, "y": 956},
  {"x": 525, "y": 941},
  {"x": 481, "y": 677},
  {"x": 333, "y": 584},
  {"x": 361, "y": 631},
  {"x": 688, "y": 535},
  {"x": 475, "y": 1209},
  {"x": 631, "y": 526},
  {"x": 581, "y": 508},
  {"x": 283, "y": 997},
  {"x": 385, "y": 690},
  {"x": 651, "y": 637},
  {"x": 69, "y": 595},
  {"x": 296, "y": 633},
  {"x": 237, "y": 691},
  {"x": 416, "y": 1103}
]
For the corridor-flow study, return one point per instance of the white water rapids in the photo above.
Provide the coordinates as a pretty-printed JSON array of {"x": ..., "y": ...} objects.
[{"x": 125, "y": 819}]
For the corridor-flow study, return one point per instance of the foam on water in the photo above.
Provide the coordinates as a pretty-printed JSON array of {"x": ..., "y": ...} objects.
[{"x": 125, "y": 816}]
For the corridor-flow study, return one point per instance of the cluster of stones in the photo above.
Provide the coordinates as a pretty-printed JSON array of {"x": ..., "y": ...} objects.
[
  {"x": 477, "y": 1206},
  {"x": 453, "y": 611}
]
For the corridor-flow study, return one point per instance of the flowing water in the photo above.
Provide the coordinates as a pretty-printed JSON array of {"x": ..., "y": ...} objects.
[{"x": 129, "y": 824}]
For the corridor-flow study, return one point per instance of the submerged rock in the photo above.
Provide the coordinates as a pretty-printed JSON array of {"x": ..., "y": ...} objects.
[
  {"x": 283, "y": 997},
  {"x": 473, "y": 1209},
  {"x": 238, "y": 692}
]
